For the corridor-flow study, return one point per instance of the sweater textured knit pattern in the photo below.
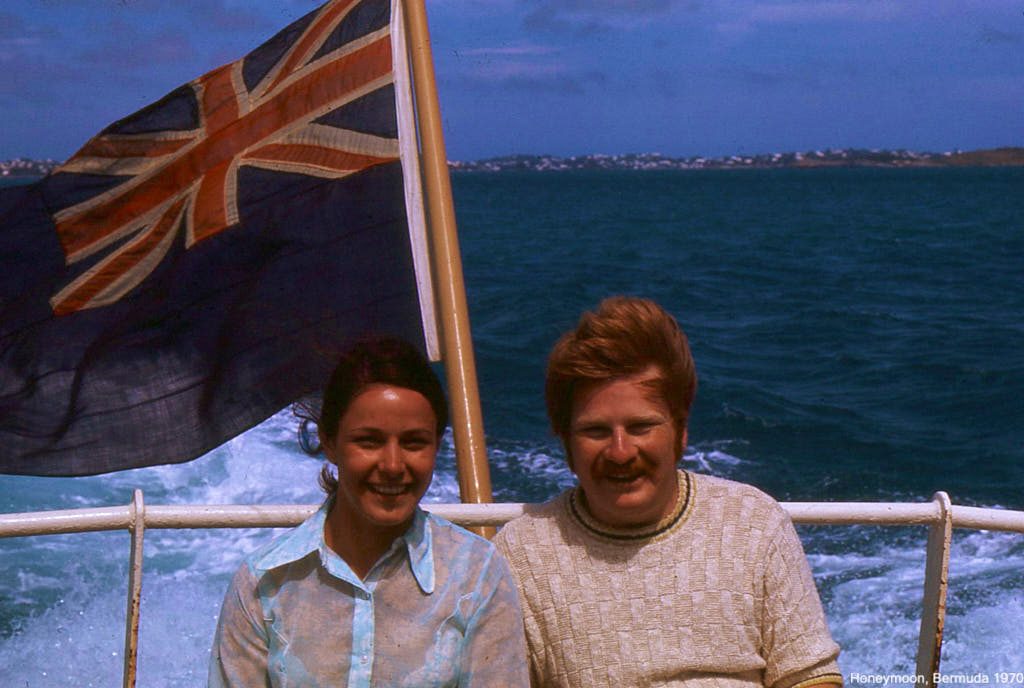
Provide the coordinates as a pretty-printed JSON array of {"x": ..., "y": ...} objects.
[{"x": 720, "y": 594}]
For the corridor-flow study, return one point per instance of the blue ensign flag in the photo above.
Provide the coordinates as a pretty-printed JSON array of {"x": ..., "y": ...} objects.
[{"x": 195, "y": 266}]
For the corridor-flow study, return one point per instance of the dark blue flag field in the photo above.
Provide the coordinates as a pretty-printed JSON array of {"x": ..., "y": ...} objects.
[{"x": 192, "y": 269}]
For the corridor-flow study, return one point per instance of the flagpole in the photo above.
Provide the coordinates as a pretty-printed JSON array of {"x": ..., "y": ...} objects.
[{"x": 460, "y": 367}]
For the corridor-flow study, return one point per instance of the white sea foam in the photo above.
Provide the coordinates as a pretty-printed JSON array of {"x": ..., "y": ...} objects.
[
  {"x": 873, "y": 592},
  {"x": 713, "y": 459},
  {"x": 445, "y": 486},
  {"x": 539, "y": 470}
]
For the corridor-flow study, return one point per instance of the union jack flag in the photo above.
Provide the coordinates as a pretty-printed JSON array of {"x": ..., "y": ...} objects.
[{"x": 188, "y": 271}]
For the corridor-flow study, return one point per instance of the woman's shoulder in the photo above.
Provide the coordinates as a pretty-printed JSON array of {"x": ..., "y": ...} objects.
[
  {"x": 291, "y": 545},
  {"x": 448, "y": 537},
  {"x": 462, "y": 558}
]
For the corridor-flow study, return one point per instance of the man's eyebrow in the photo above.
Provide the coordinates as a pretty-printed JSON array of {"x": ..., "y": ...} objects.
[
  {"x": 588, "y": 420},
  {"x": 652, "y": 417}
]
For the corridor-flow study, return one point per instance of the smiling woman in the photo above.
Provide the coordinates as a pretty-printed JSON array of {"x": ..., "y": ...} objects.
[{"x": 371, "y": 590}]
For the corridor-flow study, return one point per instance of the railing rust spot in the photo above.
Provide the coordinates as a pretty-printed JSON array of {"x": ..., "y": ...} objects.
[
  {"x": 936, "y": 583},
  {"x": 137, "y": 526}
]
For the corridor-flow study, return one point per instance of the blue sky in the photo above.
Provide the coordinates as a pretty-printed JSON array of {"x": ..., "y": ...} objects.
[{"x": 566, "y": 77}]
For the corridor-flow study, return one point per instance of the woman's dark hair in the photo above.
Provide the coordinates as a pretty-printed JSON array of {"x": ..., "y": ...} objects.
[{"x": 376, "y": 360}]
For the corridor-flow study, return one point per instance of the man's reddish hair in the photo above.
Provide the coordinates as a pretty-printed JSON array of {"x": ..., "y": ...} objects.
[{"x": 625, "y": 336}]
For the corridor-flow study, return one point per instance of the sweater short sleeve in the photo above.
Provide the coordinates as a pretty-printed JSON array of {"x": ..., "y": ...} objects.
[{"x": 798, "y": 648}]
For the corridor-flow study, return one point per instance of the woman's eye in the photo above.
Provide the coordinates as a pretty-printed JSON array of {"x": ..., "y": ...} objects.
[
  {"x": 367, "y": 442},
  {"x": 594, "y": 432},
  {"x": 415, "y": 443}
]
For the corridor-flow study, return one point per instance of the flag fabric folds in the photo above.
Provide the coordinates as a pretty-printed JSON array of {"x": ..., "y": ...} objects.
[{"x": 193, "y": 268}]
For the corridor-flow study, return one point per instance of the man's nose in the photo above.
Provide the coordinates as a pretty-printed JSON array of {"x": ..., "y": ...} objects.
[{"x": 622, "y": 448}]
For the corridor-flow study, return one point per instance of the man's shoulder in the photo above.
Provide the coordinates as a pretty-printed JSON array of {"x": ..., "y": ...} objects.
[
  {"x": 720, "y": 500},
  {"x": 713, "y": 486}
]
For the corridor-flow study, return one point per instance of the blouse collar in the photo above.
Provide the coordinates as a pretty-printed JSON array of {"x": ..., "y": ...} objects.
[{"x": 309, "y": 537}]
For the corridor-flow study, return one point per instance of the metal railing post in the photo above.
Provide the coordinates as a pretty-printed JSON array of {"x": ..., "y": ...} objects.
[
  {"x": 936, "y": 582},
  {"x": 137, "y": 525}
]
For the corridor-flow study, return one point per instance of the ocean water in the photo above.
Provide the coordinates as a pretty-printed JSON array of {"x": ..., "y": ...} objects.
[{"x": 858, "y": 334}]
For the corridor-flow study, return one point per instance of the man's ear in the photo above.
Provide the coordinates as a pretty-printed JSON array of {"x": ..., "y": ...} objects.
[
  {"x": 568, "y": 452},
  {"x": 681, "y": 438}
]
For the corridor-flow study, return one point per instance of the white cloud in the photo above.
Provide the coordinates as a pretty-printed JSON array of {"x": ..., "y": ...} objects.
[
  {"x": 835, "y": 10},
  {"x": 738, "y": 21},
  {"x": 510, "y": 69},
  {"x": 512, "y": 50}
]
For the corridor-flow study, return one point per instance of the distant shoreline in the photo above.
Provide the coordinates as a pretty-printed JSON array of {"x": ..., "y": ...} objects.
[
  {"x": 846, "y": 157},
  {"x": 994, "y": 157}
]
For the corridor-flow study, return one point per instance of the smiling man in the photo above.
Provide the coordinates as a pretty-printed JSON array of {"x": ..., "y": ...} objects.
[{"x": 644, "y": 574}]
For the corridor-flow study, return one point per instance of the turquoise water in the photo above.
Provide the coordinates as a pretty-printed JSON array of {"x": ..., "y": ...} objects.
[{"x": 858, "y": 333}]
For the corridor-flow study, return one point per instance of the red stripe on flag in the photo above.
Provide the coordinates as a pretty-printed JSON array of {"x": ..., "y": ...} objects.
[
  {"x": 313, "y": 34},
  {"x": 209, "y": 215},
  {"x": 220, "y": 102}
]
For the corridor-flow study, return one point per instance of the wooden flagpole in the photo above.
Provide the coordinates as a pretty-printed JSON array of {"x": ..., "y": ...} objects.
[{"x": 457, "y": 346}]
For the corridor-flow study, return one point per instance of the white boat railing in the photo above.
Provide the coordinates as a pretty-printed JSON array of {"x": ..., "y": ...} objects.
[{"x": 939, "y": 515}]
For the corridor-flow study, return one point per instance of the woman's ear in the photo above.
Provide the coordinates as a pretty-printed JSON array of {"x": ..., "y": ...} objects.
[{"x": 327, "y": 445}]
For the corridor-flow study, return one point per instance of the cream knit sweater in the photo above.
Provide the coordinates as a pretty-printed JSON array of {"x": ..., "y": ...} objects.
[{"x": 718, "y": 594}]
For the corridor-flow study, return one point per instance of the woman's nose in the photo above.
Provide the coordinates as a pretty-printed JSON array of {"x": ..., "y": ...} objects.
[{"x": 391, "y": 458}]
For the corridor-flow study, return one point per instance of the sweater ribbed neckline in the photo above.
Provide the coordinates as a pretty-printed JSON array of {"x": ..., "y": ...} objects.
[{"x": 579, "y": 511}]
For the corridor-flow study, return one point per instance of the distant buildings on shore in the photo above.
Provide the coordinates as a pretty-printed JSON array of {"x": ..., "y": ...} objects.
[
  {"x": 22, "y": 167},
  {"x": 845, "y": 157}
]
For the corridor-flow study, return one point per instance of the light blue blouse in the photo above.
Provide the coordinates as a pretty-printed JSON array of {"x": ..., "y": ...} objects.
[{"x": 438, "y": 609}]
